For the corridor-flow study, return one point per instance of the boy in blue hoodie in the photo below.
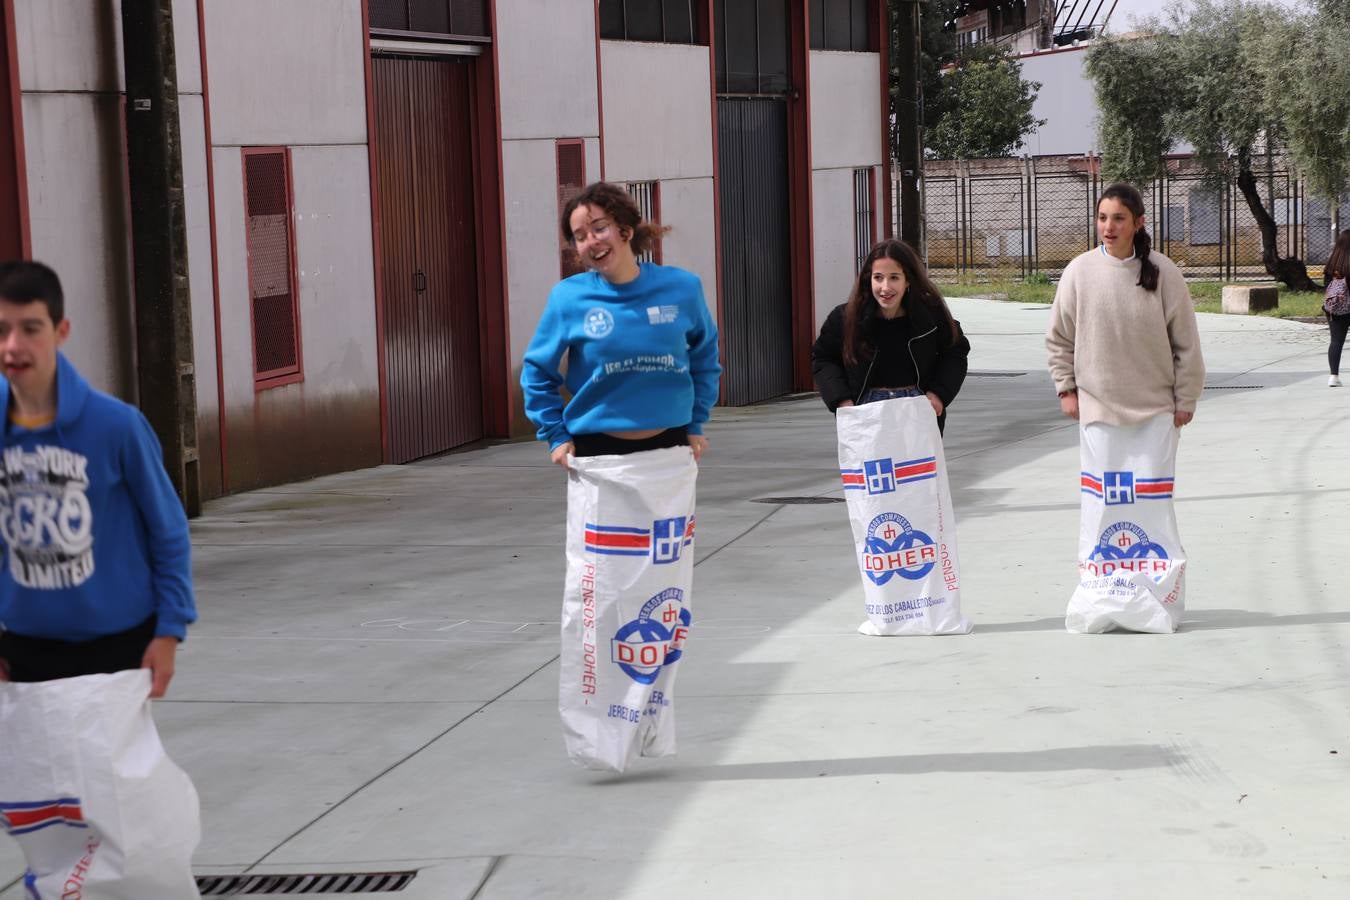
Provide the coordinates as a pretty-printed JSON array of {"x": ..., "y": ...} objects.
[{"x": 96, "y": 572}]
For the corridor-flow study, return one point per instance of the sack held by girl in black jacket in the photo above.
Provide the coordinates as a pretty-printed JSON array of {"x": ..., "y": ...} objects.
[{"x": 894, "y": 337}]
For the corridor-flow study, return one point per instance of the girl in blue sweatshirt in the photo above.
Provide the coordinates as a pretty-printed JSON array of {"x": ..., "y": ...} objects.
[{"x": 640, "y": 344}]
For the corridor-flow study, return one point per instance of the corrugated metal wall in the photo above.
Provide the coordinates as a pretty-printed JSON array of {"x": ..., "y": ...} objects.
[
  {"x": 424, "y": 140},
  {"x": 752, "y": 173}
]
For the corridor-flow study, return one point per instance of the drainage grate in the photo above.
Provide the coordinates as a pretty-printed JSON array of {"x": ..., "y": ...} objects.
[
  {"x": 797, "y": 501},
  {"x": 330, "y": 883},
  {"x": 1234, "y": 387}
]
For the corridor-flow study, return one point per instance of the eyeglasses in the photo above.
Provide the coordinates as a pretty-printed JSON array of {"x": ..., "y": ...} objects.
[{"x": 599, "y": 229}]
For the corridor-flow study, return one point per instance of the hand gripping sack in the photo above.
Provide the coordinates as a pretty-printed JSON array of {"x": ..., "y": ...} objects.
[
  {"x": 626, "y": 609},
  {"x": 86, "y": 789},
  {"x": 900, "y": 506},
  {"x": 1131, "y": 565}
]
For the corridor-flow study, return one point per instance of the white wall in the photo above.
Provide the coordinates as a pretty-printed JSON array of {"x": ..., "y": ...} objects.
[
  {"x": 286, "y": 73},
  {"x": 301, "y": 84},
  {"x": 846, "y": 134},
  {"x": 687, "y": 206},
  {"x": 546, "y": 59},
  {"x": 71, "y": 75},
  {"x": 658, "y": 127},
  {"x": 835, "y": 252},
  {"x": 78, "y": 216},
  {"x": 845, "y": 109},
  {"x": 658, "y": 111},
  {"x": 1065, "y": 102},
  {"x": 547, "y": 81},
  {"x": 530, "y": 185}
]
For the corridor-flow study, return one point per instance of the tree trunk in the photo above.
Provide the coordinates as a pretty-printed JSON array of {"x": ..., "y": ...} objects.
[{"x": 1289, "y": 270}]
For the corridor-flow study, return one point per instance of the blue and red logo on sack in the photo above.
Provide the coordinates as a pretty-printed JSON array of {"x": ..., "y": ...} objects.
[
  {"x": 654, "y": 639},
  {"x": 1118, "y": 488},
  {"x": 664, "y": 541},
  {"x": 1125, "y": 547},
  {"x": 894, "y": 547},
  {"x": 882, "y": 476},
  {"x": 25, "y": 818}
]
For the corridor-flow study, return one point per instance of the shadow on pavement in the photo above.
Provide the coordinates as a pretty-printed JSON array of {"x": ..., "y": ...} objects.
[{"x": 1109, "y": 757}]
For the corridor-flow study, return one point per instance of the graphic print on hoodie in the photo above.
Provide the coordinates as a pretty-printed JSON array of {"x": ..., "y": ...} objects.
[
  {"x": 95, "y": 539},
  {"x": 45, "y": 519}
]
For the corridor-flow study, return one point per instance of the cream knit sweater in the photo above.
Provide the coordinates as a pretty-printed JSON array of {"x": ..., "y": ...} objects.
[{"x": 1130, "y": 353}]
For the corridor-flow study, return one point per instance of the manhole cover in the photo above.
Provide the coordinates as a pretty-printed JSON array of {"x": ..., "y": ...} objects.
[
  {"x": 329, "y": 883},
  {"x": 794, "y": 501}
]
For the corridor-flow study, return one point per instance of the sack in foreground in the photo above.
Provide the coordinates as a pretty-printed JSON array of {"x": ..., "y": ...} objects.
[
  {"x": 99, "y": 809},
  {"x": 1131, "y": 564},
  {"x": 900, "y": 507},
  {"x": 626, "y": 605}
]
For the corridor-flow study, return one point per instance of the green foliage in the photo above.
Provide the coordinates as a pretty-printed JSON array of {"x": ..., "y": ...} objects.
[
  {"x": 1217, "y": 105},
  {"x": 937, "y": 48},
  {"x": 1135, "y": 90},
  {"x": 1304, "y": 67},
  {"x": 985, "y": 112},
  {"x": 987, "y": 106},
  {"x": 1231, "y": 78}
]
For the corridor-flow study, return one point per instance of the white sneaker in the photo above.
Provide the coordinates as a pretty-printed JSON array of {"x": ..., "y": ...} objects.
[{"x": 1334, "y": 381}]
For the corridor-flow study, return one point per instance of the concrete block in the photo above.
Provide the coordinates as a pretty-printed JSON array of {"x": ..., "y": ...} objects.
[{"x": 1242, "y": 299}]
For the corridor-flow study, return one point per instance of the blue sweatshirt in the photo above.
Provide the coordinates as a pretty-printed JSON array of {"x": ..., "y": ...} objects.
[
  {"x": 95, "y": 540},
  {"x": 639, "y": 355}
]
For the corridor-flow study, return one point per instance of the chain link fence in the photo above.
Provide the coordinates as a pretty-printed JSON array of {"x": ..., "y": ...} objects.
[{"x": 1013, "y": 218}]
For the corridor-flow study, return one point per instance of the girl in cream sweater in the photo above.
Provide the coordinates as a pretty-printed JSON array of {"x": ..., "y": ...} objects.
[
  {"x": 1123, "y": 341},
  {"x": 1125, "y": 358}
]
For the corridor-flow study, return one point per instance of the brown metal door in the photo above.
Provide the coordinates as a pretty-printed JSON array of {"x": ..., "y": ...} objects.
[{"x": 424, "y": 146}]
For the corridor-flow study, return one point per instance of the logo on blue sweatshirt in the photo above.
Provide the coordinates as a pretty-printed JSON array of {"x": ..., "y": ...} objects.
[
  {"x": 45, "y": 517},
  {"x": 599, "y": 322}
]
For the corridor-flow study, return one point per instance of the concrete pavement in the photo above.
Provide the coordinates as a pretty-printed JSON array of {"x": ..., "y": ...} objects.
[{"x": 373, "y": 683}]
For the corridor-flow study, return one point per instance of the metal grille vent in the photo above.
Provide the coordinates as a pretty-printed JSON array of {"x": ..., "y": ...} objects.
[
  {"x": 270, "y": 271},
  {"x": 332, "y": 883},
  {"x": 571, "y": 181},
  {"x": 646, "y": 195},
  {"x": 862, "y": 215},
  {"x": 464, "y": 17}
]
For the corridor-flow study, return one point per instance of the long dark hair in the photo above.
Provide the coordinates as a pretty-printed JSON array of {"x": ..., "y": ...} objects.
[
  {"x": 619, "y": 206},
  {"x": 862, "y": 305},
  {"x": 1338, "y": 264},
  {"x": 1129, "y": 197}
]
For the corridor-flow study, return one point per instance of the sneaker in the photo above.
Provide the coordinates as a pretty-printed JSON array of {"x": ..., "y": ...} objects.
[{"x": 1334, "y": 381}]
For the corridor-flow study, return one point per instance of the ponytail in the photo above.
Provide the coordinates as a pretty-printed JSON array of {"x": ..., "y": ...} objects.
[
  {"x": 1148, "y": 270},
  {"x": 1129, "y": 197}
]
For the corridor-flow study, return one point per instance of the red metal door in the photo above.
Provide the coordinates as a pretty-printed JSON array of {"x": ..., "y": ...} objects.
[{"x": 424, "y": 146}]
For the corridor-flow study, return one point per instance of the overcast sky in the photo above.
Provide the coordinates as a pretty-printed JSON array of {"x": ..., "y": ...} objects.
[{"x": 1128, "y": 10}]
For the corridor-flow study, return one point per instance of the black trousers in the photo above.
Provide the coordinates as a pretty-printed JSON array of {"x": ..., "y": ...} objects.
[
  {"x": 44, "y": 659},
  {"x": 609, "y": 445},
  {"x": 1339, "y": 326}
]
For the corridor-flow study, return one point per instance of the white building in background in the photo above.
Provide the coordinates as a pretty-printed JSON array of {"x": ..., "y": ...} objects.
[{"x": 373, "y": 187}]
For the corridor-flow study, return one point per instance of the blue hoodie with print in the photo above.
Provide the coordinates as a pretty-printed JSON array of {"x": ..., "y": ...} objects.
[{"x": 95, "y": 539}]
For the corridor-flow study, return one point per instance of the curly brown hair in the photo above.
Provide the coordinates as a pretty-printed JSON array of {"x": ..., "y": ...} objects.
[{"x": 619, "y": 206}]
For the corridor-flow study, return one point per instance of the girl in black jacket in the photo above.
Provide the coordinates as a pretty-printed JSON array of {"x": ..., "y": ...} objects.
[{"x": 895, "y": 337}]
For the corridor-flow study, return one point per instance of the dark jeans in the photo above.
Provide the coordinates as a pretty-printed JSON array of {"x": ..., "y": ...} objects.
[
  {"x": 45, "y": 659},
  {"x": 609, "y": 445},
  {"x": 874, "y": 394},
  {"x": 1339, "y": 326}
]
